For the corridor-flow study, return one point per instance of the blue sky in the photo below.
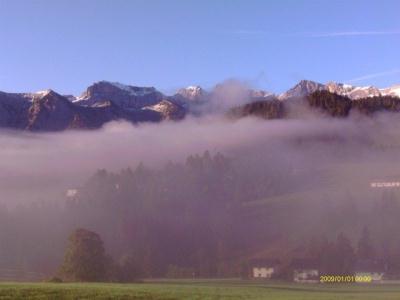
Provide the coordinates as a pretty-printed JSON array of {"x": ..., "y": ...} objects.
[{"x": 67, "y": 45}]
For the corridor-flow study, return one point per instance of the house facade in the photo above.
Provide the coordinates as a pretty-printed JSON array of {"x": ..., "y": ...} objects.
[
  {"x": 306, "y": 275},
  {"x": 374, "y": 275},
  {"x": 263, "y": 268},
  {"x": 305, "y": 271},
  {"x": 373, "y": 269},
  {"x": 263, "y": 272}
]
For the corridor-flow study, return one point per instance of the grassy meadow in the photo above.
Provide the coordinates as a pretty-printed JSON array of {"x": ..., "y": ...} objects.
[{"x": 186, "y": 290}]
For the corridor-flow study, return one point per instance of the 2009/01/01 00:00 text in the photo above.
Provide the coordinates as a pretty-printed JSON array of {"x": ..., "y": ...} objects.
[{"x": 344, "y": 279}]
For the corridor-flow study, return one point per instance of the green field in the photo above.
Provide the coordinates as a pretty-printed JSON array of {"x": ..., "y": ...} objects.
[{"x": 196, "y": 290}]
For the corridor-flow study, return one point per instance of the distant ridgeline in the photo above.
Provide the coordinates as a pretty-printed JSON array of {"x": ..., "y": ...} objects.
[
  {"x": 104, "y": 101},
  {"x": 340, "y": 106},
  {"x": 323, "y": 101}
]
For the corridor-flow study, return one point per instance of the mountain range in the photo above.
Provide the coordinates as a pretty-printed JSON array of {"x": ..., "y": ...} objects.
[
  {"x": 306, "y": 87},
  {"x": 106, "y": 101}
]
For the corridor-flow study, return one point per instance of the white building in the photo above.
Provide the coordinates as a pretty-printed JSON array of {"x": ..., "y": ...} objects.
[
  {"x": 374, "y": 275},
  {"x": 373, "y": 269},
  {"x": 71, "y": 193},
  {"x": 306, "y": 275},
  {"x": 264, "y": 268},
  {"x": 305, "y": 270},
  {"x": 263, "y": 272}
]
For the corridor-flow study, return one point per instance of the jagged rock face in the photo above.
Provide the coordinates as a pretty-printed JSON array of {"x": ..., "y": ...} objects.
[
  {"x": 125, "y": 96},
  {"x": 351, "y": 91},
  {"x": 53, "y": 112},
  {"x": 260, "y": 95},
  {"x": 195, "y": 94},
  {"x": 192, "y": 99},
  {"x": 50, "y": 112},
  {"x": 168, "y": 110},
  {"x": 104, "y": 101},
  {"x": 305, "y": 88},
  {"x": 363, "y": 92},
  {"x": 338, "y": 88},
  {"x": 302, "y": 89},
  {"x": 192, "y": 93},
  {"x": 95, "y": 117},
  {"x": 13, "y": 110}
]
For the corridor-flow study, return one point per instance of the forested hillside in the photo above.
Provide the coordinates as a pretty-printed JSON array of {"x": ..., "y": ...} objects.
[
  {"x": 321, "y": 101},
  {"x": 208, "y": 216}
]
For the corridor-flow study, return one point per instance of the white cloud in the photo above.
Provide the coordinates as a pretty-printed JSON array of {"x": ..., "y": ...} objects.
[
  {"x": 353, "y": 33},
  {"x": 374, "y": 75},
  {"x": 350, "y": 33}
]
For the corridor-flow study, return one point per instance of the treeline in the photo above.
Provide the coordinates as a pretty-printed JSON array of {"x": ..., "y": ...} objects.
[
  {"x": 365, "y": 250},
  {"x": 340, "y": 106},
  {"x": 85, "y": 259},
  {"x": 332, "y": 104},
  {"x": 184, "y": 218},
  {"x": 272, "y": 109},
  {"x": 171, "y": 217},
  {"x": 203, "y": 217}
]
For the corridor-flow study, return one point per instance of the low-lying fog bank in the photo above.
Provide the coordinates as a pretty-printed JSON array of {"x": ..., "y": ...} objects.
[{"x": 39, "y": 166}]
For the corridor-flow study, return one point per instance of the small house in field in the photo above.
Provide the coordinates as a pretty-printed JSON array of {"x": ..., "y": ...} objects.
[
  {"x": 263, "y": 268},
  {"x": 71, "y": 193},
  {"x": 305, "y": 270},
  {"x": 373, "y": 269}
]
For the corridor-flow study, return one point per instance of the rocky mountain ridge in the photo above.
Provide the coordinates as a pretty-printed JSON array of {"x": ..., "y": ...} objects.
[
  {"x": 105, "y": 101},
  {"x": 307, "y": 87}
]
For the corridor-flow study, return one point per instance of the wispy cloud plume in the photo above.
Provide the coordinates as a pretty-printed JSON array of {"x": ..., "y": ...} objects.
[
  {"x": 249, "y": 32},
  {"x": 374, "y": 75},
  {"x": 352, "y": 33}
]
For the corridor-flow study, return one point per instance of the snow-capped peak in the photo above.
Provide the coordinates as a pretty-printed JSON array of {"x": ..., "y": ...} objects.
[
  {"x": 167, "y": 109},
  {"x": 353, "y": 92},
  {"x": 193, "y": 88},
  {"x": 306, "y": 87},
  {"x": 261, "y": 94},
  {"x": 36, "y": 95},
  {"x": 131, "y": 90},
  {"x": 192, "y": 92},
  {"x": 128, "y": 89},
  {"x": 391, "y": 91},
  {"x": 122, "y": 95},
  {"x": 43, "y": 93},
  {"x": 303, "y": 88},
  {"x": 162, "y": 106}
]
